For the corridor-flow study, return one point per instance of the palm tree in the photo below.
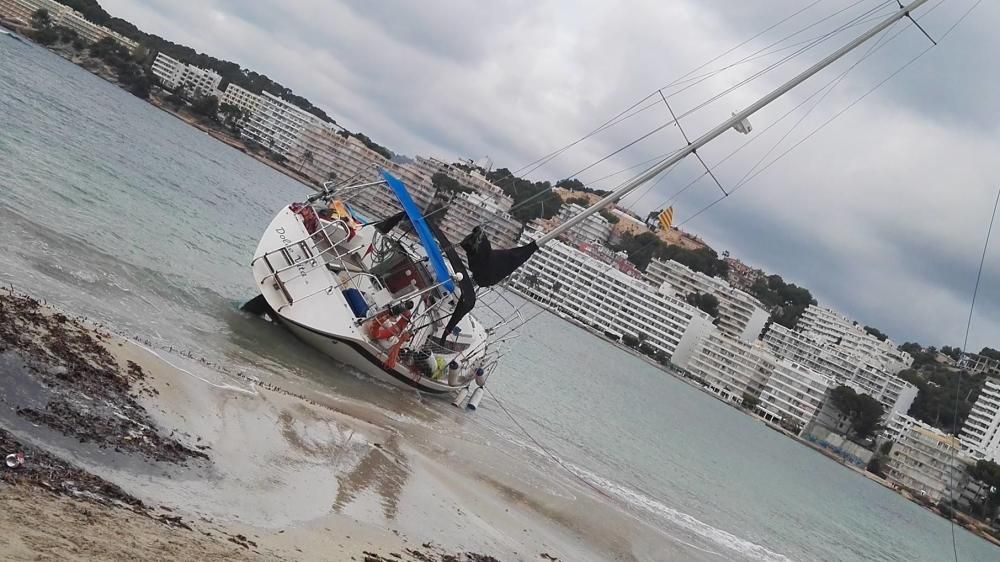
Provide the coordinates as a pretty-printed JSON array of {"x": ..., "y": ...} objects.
[
  {"x": 307, "y": 156},
  {"x": 41, "y": 19}
]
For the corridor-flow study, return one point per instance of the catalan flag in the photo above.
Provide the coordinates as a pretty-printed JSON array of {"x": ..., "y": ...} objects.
[{"x": 666, "y": 217}]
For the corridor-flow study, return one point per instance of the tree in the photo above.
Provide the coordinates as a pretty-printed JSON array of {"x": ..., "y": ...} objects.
[
  {"x": 990, "y": 353},
  {"x": 609, "y": 216},
  {"x": 876, "y": 332},
  {"x": 206, "y": 106},
  {"x": 988, "y": 472},
  {"x": 953, "y": 352},
  {"x": 581, "y": 201},
  {"x": 642, "y": 248},
  {"x": 630, "y": 340},
  {"x": 704, "y": 302},
  {"x": 232, "y": 115},
  {"x": 41, "y": 19},
  {"x": 307, "y": 158},
  {"x": 531, "y": 199},
  {"x": 785, "y": 301},
  {"x": 141, "y": 87},
  {"x": 862, "y": 410},
  {"x": 661, "y": 357},
  {"x": 939, "y": 388},
  {"x": 444, "y": 183},
  {"x": 750, "y": 402}
]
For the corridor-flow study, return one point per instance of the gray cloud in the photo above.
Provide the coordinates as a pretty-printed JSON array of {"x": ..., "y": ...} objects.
[{"x": 882, "y": 214}]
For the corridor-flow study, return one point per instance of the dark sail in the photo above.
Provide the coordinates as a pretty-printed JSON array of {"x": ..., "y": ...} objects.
[
  {"x": 490, "y": 266},
  {"x": 467, "y": 298},
  {"x": 387, "y": 224}
]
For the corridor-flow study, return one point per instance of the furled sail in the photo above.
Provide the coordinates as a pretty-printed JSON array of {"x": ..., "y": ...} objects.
[{"x": 490, "y": 266}]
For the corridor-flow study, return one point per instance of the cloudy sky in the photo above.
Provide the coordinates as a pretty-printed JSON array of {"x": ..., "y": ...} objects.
[{"x": 882, "y": 213}]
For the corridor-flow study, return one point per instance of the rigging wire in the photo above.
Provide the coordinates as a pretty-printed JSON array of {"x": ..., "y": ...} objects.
[
  {"x": 545, "y": 449},
  {"x": 535, "y": 165},
  {"x": 618, "y": 118},
  {"x": 972, "y": 308},
  {"x": 812, "y": 133},
  {"x": 729, "y": 89},
  {"x": 958, "y": 381},
  {"x": 834, "y": 117}
]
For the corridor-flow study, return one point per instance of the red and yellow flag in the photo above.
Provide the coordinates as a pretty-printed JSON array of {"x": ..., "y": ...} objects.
[{"x": 666, "y": 217}]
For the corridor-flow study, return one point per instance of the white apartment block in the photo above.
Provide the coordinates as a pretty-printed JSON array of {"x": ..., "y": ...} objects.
[
  {"x": 240, "y": 97},
  {"x": 794, "y": 394},
  {"x": 174, "y": 74},
  {"x": 594, "y": 227},
  {"x": 732, "y": 367},
  {"x": 326, "y": 155},
  {"x": 927, "y": 462},
  {"x": 740, "y": 315},
  {"x": 469, "y": 210},
  {"x": 165, "y": 68},
  {"x": 981, "y": 432},
  {"x": 895, "y": 394},
  {"x": 844, "y": 366},
  {"x": 899, "y": 423},
  {"x": 64, "y": 16},
  {"x": 597, "y": 293},
  {"x": 278, "y": 125},
  {"x": 833, "y": 327}
]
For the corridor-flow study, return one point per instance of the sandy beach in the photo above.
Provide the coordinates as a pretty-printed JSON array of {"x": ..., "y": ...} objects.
[{"x": 193, "y": 462}]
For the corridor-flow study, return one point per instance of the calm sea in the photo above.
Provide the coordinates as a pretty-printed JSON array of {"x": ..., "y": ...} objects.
[{"x": 127, "y": 215}]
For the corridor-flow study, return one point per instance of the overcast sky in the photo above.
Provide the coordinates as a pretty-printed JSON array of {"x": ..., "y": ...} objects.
[{"x": 882, "y": 214}]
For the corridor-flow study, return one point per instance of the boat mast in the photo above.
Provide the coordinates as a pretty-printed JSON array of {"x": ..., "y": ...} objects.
[{"x": 729, "y": 123}]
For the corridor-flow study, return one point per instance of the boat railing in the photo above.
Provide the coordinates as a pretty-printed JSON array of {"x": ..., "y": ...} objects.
[
  {"x": 307, "y": 250},
  {"x": 312, "y": 255}
]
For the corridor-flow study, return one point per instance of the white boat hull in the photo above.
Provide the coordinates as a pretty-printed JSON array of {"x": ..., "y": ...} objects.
[
  {"x": 323, "y": 318},
  {"x": 355, "y": 354}
]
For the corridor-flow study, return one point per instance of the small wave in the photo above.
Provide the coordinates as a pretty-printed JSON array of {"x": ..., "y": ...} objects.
[{"x": 717, "y": 536}]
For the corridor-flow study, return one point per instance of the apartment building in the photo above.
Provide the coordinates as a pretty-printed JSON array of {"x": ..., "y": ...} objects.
[
  {"x": 279, "y": 125},
  {"x": 928, "y": 462},
  {"x": 794, "y": 394},
  {"x": 829, "y": 326},
  {"x": 731, "y": 367},
  {"x": 843, "y": 365},
  {"x": 174, "y": 75},
  {"x": 898, "y": 423},
  {"x": 239, "y": 97},
  {"x": 324, "y": 154},
  {"x": 593, "y": 228},
  {"x": 597, "y": 293},
  {"x": 64, "y": 16},
  {"x": 981, "y": 432},
  {"x": 740, "y": 315}
]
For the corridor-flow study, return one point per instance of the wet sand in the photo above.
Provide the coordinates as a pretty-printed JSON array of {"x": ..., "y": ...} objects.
[{"x": 297, "y": 473}]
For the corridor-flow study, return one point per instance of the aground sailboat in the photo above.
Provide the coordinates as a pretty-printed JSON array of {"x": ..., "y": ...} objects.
[{"x": 393, "y": 297}]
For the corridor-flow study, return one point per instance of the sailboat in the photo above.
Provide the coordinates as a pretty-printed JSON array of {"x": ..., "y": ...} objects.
[{"x": 393, "y": 297}]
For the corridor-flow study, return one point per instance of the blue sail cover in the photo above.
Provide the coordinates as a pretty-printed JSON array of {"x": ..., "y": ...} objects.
[{"x": 434, "y": 255}]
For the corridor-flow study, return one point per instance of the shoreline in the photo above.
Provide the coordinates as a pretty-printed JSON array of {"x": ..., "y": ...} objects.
[
  {"x": 968, "y": 523},
  {"x": 297, "y": 475}
]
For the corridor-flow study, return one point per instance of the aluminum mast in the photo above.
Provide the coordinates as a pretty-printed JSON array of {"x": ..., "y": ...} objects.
[{"x": 729, "y": 123}]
